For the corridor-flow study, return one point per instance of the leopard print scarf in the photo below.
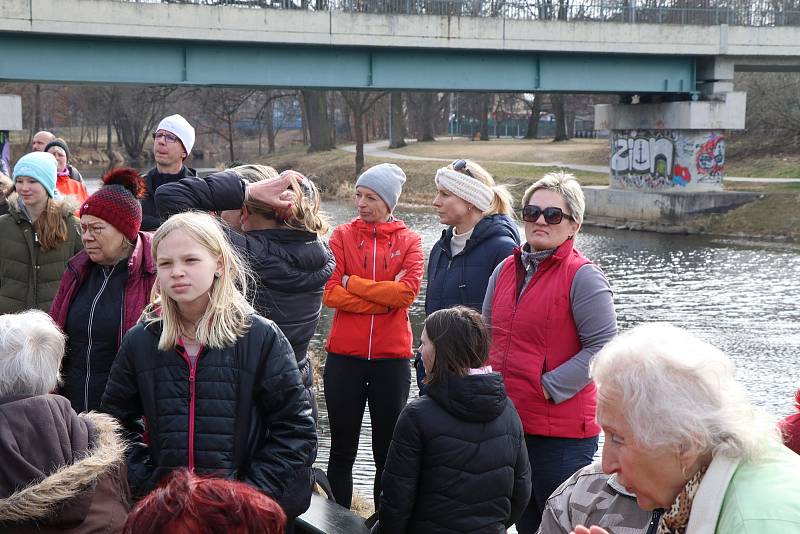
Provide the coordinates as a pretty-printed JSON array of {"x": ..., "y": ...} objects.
[{"x": 676, "y": 519}]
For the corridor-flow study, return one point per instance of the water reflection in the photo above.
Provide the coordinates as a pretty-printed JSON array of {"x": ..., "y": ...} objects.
[{"x": 742, "y": 297}]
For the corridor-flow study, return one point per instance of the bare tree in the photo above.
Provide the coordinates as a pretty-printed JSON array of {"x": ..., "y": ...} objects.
[
  {"x": 534, "y": 106},
  {"x": 220, "y": 110},
  {"x": 137, "y": 111},
  {"x": 397, "y": 117},
  {"x": 317, "y": 120},
  {"x": 359, "y": 102}
]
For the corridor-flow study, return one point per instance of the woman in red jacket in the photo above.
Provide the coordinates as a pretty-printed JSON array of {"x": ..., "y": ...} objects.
[
  {"x": 550, "y": 310},
  {"x": 379, "y": 264}
]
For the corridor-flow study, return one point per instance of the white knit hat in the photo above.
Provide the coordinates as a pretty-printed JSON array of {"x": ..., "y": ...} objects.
[
  {"x": 465, "y": 187},
  {"x": 179, "y": 126}
]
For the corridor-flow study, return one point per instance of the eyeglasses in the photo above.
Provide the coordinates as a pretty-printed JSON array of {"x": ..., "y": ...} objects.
[
  {"x": 93, "y": 231},
  {"x": 167, "y": 137},
  {"x": 460, "y": 165},
  {"x": 552, "y": 214}
]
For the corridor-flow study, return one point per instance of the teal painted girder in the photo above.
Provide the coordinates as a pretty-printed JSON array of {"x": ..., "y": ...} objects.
[{"x": 51, "y": 58}]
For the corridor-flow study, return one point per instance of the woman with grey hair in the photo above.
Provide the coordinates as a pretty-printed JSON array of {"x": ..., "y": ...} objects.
[
  {"x": 682, "y": 434},
  {"x": 550, "y": 311},
  {"x": 60, "y": 471}
]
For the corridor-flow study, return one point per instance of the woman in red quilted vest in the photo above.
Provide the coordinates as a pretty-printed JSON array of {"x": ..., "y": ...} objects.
[{"x": 550, "y": 310}]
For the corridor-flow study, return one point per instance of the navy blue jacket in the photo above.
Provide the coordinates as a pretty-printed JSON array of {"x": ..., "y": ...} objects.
[{"x": 462, "y": 279}]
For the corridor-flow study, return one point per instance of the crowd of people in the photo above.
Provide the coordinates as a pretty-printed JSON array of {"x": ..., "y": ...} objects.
[{"x": 155, "y": 374}]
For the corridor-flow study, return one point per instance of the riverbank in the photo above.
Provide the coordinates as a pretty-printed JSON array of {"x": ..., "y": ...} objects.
[{"x": 773, "y": 216}]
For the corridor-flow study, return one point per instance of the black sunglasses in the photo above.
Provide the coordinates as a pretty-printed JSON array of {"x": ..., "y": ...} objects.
[
  {"x": 460, "y": 165},
  {"x": 552, "y": 214}
]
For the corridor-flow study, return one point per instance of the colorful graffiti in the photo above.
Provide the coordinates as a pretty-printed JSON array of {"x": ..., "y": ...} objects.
[{"x": 667, "y": 159}]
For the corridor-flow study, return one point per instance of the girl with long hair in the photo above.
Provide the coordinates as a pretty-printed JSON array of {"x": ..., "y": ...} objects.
[
  {"x": 38, "y": 235},
  {"x": 217, "y": 384}
]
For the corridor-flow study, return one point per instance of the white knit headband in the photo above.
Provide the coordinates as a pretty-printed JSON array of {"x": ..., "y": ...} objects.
[{"x": 465, "y": 187}]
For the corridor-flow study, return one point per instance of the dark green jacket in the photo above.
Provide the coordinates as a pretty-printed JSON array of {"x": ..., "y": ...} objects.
[{"x": 29, "y": 278}]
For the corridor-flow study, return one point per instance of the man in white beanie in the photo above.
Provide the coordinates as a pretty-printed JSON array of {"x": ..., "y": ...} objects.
[{"x": 172, "y": 143}]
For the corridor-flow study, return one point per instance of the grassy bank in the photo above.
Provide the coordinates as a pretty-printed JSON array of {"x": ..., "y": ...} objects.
[
  {"x": 334, "y": 171},
  {"x": 774, "y": 216}
]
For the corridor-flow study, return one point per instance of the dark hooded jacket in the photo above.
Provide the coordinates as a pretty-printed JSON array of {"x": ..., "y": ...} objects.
[
  {"x": 461, "y": 279},
  {"x": 60, "y": 471},
  {"x": 153, "y": 180},
  {"x": 457, "y": 462},
  {"x": 238, "y": 412}
]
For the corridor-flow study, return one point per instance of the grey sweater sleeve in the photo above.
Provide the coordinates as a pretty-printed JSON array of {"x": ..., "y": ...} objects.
[
  {"x": 596, "y": 321},
  {"x": 486, "y": 308}
]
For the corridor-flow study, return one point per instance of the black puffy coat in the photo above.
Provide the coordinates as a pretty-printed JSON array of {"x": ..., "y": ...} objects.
[
  {"x": 152, "y": 181},
  {"x": 292, "y": 266},
  {"x": 252, "y": 420},
  {"x": 457, "y": 462},
  {"x": 462, "y": 279}
]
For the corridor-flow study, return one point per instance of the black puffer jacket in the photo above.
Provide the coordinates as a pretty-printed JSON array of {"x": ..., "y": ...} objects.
[
  {"x": 458, "y": 461},
  {"x": 152, "y": 181},
  {"x": 243, "y": 413},
  {"x": 292, "y": 266}
]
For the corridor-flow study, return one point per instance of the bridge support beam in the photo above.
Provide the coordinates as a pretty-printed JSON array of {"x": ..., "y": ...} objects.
[
  {"x": 667, "y": 160},
  {"x": 674, "y": 146}
]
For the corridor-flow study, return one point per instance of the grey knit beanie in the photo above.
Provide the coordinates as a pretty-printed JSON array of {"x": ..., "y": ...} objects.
[{"x": 386, "y": 180}]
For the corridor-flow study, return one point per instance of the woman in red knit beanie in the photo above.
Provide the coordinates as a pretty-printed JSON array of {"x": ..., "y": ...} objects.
[
  {"x": 790, "y": 427},
  {"x": 105, "y": 287}
]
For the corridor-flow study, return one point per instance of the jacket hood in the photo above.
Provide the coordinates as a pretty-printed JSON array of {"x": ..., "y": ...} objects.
[
  {"x": 298, "y": 261},
  {"x": 498, "y": 225},
  {"x": 52, "y": 459},
  {"x": 67, "y": 205},
  {"x": 478, "y": 398}
]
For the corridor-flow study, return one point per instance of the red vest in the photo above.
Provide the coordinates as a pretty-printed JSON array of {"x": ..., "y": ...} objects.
[{"x": 536, "y": 333}]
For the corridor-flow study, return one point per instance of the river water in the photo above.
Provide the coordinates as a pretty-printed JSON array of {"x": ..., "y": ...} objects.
[{"x": 740, "y": 296}]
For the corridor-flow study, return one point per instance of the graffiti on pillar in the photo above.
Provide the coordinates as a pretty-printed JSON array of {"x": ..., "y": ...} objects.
[
  {"x": 667, "y": 159},
  {"x": 710, "y": 159}
]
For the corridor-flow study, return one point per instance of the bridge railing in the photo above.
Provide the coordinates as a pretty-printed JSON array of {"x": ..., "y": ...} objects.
[{"x": 694, "y": 12}]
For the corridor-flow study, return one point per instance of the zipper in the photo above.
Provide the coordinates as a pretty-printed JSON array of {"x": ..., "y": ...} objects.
[
  {"x": 106, "y": 278},
  {"x": 374, "y": 273},
  {"x": 192, "y": 382},
  {"x": 192, "y": 393}
]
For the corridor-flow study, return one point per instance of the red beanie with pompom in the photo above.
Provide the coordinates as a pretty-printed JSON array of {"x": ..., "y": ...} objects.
[{"x": 117, "y": 201}]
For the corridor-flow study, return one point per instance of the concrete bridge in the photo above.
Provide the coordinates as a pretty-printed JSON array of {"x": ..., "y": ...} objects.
[
  {"x": 681, "y": 62},
  {"x": 113, "y": 41}
]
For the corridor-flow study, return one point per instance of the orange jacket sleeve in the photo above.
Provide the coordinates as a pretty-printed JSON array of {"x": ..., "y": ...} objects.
[
  {"x": 335, "y": 295},
  {"x": 390, "y": 293}
]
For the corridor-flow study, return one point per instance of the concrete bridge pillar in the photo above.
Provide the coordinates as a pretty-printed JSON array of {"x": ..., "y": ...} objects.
[
  {"x": 667, "y": 160},
  {"x": 673, "y": 146},
  {"x": 10, "y": 119}
]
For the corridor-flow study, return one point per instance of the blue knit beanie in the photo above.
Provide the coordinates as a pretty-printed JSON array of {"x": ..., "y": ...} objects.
[
  {"x": 386, "y": 180},
  {"x": 42, "y": 167}
]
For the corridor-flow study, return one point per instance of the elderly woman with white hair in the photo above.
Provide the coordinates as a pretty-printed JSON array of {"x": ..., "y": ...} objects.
[
  {"x": 60, "y": 471},
  {"x": 682, "y": 435},
  {"x": 550, "y": 310}
]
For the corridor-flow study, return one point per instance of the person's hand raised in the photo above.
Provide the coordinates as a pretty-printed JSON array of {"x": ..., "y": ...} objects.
[
  {"x": 580, "y": 529},
  {"x": 273, "y": 191}
]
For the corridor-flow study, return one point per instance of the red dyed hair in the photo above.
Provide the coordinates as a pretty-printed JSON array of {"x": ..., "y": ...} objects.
[{"x": 187, "y": 504}]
